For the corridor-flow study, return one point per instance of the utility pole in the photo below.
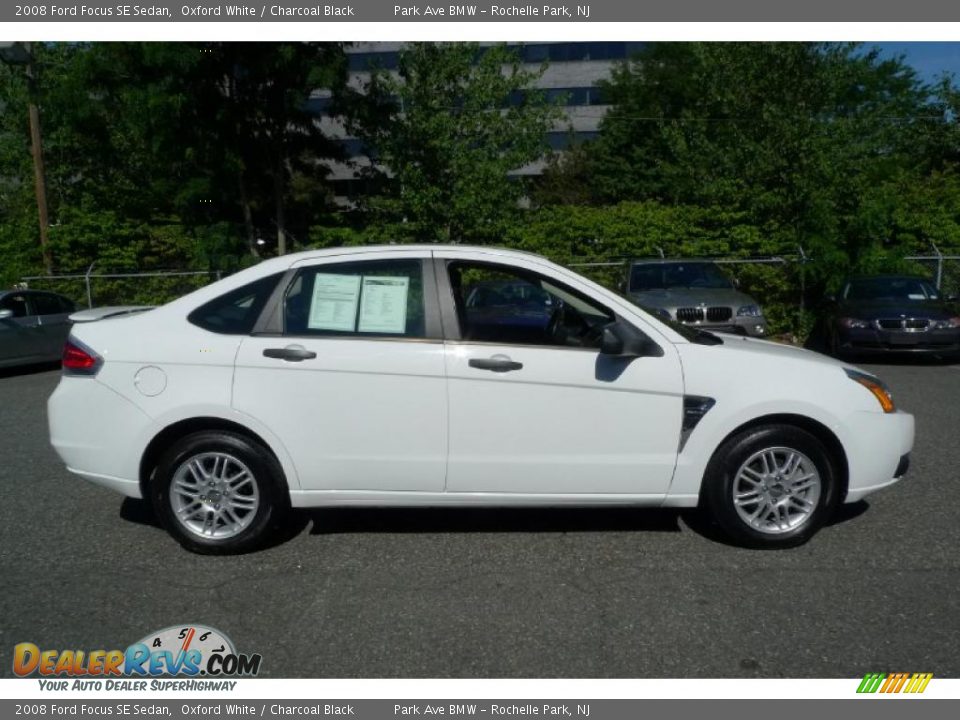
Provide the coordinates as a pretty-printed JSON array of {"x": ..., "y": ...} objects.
[
  {"x": 17, "y": 53},
  {"x": 39, "y": 178}
]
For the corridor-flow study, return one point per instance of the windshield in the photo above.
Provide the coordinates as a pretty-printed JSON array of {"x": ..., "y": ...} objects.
[
  {"x": 889, "y": 289},
  {"x": 660, "y": 276}
]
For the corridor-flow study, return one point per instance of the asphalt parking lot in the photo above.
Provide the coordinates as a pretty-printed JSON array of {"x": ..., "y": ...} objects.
[{"x": 493, "y": 593}]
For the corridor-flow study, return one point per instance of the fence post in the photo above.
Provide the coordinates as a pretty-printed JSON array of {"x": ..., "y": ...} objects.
[
  {"x": 803, "y": 281},
  {"x": 939, "y": 264},
  {"x": 87, "y": 280}
]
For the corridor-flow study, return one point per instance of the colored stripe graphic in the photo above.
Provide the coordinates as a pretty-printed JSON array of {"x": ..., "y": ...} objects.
[
  {"x": 870, "y": 682},
  {"x": 894, "y": 682}
]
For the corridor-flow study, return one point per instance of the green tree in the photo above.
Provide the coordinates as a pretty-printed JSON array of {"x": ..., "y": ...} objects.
[
  {"x": 442, "y": 135},
  {"x": 810, "y": 143}
]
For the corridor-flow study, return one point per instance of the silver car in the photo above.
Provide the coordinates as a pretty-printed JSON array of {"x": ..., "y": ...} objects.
[
  {"x": 33, "y": 326},
  {"x": 696, "y": 293}
]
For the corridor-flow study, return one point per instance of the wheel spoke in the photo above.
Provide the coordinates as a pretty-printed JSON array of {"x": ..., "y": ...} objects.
[
  {"x": 783, "y": 517},
  {"x": 196, "y": 469},
  {"x": 791, "y": 464},
  {"x": 751, "y": 475},
  {"x": 239, "y": 480},
  {"x": 243, "y": 502},
  {"x": 803, "y": 484},
  {"x": 190, "y": 510},
  {"x": 748, "y": 498}
]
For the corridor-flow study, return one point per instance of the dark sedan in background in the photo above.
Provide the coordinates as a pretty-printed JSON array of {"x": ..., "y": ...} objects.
[
  {"x": 892, "y": 314},
  {"x": 33, "y": 326}
]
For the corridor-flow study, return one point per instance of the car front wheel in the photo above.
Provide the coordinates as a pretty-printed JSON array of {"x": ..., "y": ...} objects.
[
  {"x": 218, "y": 493},
  {"x": 771, "y": 486}
]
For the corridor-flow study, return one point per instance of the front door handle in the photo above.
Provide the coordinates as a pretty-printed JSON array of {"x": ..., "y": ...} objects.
[
  {"x": 497, "y": 363},
  {"x": 290, "y": 353}
]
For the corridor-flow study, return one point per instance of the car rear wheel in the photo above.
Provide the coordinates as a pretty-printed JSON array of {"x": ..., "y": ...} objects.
[
  {"x": 218, "y": 493},
  {"x": 771, "y": 486}
]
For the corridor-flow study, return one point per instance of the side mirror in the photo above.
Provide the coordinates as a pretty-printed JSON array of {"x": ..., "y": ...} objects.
[
  {"x": 621, "y": 339},
  {"x": 611, "y": 343},
  {"x": 5, "y": 314}
]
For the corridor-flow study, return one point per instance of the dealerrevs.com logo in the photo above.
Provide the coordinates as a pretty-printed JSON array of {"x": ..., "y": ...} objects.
[{"x": 188, "y": 650}]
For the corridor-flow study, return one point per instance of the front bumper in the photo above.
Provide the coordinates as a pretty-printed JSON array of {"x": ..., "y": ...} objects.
[
  {"x": 749, "y": 326},
  {"x": 871, "y": 340},
  {"x": 878, "y": 447}
]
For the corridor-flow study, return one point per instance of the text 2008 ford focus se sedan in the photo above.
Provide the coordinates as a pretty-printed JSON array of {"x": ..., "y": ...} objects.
[{"x": 432, "y": 375}]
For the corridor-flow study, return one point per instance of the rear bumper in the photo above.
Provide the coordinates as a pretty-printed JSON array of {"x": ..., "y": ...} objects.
[{"x": 96, "y": 432}]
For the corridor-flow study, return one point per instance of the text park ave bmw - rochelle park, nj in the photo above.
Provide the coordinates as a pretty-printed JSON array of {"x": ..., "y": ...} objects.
[{"x": 449, "y": 375}]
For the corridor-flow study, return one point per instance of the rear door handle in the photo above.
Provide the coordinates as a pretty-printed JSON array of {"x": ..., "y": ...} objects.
[
  {"x": 290, "y": 353},
  {"x": 497, "y": 363}
]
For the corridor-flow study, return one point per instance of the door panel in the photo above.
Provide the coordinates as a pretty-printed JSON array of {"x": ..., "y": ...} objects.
[
  {"x": 362, "y": 415},
  {"x": 534, "y": 406},
  {"x": 54, "y": 324},
  {"x": 20, "y": 337},
  {"x": 568, "y": 421},
  {"x": 351, "y": 376}
]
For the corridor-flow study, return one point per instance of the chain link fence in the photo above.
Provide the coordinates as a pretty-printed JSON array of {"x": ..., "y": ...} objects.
[
  {"x": 943, "y": 270},
  {"x": 140, "y": 288}
]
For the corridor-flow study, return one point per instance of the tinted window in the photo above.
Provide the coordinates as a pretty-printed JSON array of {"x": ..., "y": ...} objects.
[
  {"x": 16, "y": 303},
  {"x": 236, "y": 312},
  {"x": 512, "y": 306},
  {"x": 375, "y": 298},
  {"x": 890, "y": 289},
  {"x": 669, "y": 275},
  {"x": 44, "y": 304}
]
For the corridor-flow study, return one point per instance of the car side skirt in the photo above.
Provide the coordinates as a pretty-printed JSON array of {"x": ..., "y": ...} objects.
[{"x": 375, "y": 498}]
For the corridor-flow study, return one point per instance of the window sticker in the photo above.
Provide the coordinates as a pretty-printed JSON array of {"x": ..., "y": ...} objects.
[
  {"x": 383, "y": 307},
  {"x": 334, "y": 304}
]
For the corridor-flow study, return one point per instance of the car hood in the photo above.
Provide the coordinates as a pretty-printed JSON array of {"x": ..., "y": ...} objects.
[
  {"x": 872, "y": 309},
  {"x": 753, "y": 347},
  {"x": 683, "y": 297}
]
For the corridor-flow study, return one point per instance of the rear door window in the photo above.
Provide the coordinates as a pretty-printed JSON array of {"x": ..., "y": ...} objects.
[{"x": 381, "y": 298}]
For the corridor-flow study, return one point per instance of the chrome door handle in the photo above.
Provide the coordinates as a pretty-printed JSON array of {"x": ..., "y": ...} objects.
[
  {"x": 291, "y": 353},
  {"x": 497, "y": 363}
]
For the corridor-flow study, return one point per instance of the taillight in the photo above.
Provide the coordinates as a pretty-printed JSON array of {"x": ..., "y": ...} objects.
[{"x": 78, "y": 359}]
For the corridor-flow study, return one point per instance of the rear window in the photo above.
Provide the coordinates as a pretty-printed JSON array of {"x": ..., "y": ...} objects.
[
  {"x": 45, "y": 304},
  {"x": 236, "y": 312}
]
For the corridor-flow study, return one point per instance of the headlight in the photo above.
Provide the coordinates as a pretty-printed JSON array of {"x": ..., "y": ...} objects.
[
  {"x": 876, "y": 386},
  {"x": 749, "y": 311},
  {"x": 848, "y": 323},
  {"x": 948, "y": 324}
]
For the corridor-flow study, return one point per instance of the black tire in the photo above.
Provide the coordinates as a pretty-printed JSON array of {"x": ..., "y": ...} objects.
[
  {"x": 273, "y": 498},
  {"x": 721, "y": 474}
]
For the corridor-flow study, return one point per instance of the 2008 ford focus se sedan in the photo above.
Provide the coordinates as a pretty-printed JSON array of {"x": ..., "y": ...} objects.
[{"x": 433, "y": 375}]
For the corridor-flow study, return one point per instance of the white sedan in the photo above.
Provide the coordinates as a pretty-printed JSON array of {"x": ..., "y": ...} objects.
[{"x": 450, "y": 375}]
